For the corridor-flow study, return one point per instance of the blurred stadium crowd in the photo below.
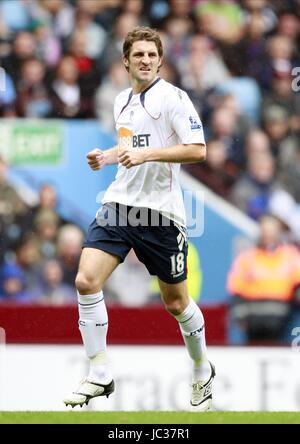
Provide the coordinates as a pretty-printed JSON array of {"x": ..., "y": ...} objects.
[{"x": 238, "y": 62}]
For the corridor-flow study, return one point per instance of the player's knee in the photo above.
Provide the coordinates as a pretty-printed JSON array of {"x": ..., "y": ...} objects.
[
  {"x": 175, "y": 307},
  {"x": 86, "y": 285}
]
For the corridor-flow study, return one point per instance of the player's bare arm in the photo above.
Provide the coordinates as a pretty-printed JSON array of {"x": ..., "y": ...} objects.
[
  {"x": 97, "y": 158},
  {"x": 176, "y": 154}
]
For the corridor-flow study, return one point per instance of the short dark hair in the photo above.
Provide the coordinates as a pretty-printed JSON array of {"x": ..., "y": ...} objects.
[{"x": 142, "y": 33}]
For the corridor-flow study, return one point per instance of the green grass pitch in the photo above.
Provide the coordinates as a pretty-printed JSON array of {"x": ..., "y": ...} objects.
[{"x": 149, "y": 418}]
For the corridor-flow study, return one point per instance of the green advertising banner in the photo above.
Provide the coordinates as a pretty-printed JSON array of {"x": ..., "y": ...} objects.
[{"x": 24, "y": 143}]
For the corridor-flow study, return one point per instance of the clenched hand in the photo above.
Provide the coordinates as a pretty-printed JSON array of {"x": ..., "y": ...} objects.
[
  {"x": 96, "y": 159},
  {"x": 130, "y": 158}
]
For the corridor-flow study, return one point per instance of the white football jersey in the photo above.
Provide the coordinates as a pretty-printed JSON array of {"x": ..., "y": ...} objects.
[{"x": 161, "y": 116}]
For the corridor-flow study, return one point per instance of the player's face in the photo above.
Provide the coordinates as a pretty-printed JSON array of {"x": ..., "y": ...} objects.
[{"x": 143, "y": 62}]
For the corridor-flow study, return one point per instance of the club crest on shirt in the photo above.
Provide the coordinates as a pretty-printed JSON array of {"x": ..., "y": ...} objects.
[{"x": 195, "y": 124}]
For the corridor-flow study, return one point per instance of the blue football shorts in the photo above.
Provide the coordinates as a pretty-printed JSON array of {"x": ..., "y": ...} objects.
[{"x": 159, "y": 243}]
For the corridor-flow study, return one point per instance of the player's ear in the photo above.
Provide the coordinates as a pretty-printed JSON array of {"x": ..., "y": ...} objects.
[
  {"x": 160, "y": 64},
  {"x": 126, "y": 63}
]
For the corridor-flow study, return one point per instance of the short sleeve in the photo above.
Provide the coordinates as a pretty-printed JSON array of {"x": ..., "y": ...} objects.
[
  {"x": 183, "y": 118},
  {"x": 120, "y": 103},
  {"x": 117, "y": 108}
]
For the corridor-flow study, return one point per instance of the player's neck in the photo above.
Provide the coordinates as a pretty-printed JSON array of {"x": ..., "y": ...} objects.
[{"x": 139, "y": 87}]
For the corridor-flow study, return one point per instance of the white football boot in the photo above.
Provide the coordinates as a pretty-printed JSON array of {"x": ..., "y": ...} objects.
[
  {"x": 88, "y": 390},
  {"x": 201, "y": 398}
]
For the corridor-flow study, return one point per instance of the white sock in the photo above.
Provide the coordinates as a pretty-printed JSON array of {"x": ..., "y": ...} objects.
[
  {"x": 191, "y": 324},
  {"x": 93, "y": 326}
]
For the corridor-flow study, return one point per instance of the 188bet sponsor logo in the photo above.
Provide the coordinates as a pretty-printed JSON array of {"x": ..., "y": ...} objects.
[{"x": 129, "y": 140}]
